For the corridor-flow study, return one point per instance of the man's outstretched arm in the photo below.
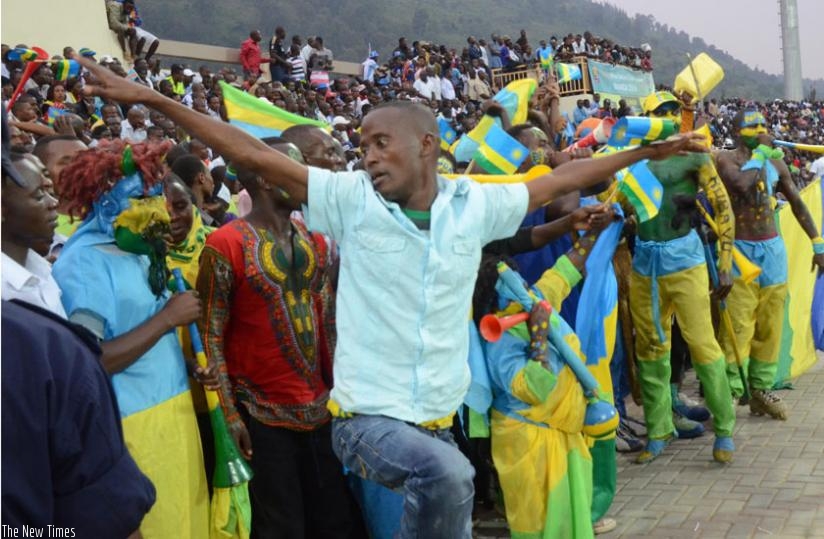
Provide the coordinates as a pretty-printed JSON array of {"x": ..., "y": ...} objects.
[
  {"x": 582, "y": 173},
  {"x": 233, "y": 144}
]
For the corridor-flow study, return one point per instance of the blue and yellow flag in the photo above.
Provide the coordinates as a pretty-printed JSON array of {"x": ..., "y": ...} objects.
[
  {"x": 23, "y": 55},
  {"x": 635, "y": 130},
  {"x": 66, "y": 69},
  {"x": 258, "y": 118},
  {"x": 568, "y": 72},
  {"x": 642, "y": 189},
  {"x": 447, "y": 133},
  {"x": 547, "y": 60},
  {"x": 797, "y": 353},
  {"x": 514, "y": 99},
  {"x": 500, "y": 153}
]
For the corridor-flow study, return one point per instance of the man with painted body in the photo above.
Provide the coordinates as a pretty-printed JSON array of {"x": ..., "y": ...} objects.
[{"x": 752, "y": 173}]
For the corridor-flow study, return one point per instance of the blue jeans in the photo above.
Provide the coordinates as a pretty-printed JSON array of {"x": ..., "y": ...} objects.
[{"x": 426, "y": 466}]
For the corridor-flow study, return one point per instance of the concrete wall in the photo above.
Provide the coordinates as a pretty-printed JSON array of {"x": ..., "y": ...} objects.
[{"x": 54, "y": 24}]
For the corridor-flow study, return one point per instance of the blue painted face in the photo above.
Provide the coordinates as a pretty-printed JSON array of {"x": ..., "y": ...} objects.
[{"x": 118, "y": 199}]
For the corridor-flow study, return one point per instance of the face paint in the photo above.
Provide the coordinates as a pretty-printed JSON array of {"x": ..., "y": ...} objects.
[
  {"x": 750, "y": 142},
  {"x": 673, "y": 115},
  {"x": 753, "y": 131},
  {"x": 141, "y": 229},
  {"x": 752, "y": 125},
  {"x": 445, "y": 166},
  {"x": 145, "y": 218},
  {"x": 538, "y": 156}
]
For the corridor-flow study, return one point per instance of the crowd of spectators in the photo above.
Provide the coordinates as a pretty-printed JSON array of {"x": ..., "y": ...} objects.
[{"x": 453, "y": 84}]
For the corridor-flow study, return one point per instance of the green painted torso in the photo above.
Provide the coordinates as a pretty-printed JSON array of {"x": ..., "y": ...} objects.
[{"x": 679, "y": 176}]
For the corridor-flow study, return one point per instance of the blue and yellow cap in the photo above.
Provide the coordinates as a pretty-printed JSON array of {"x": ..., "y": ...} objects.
[{"x": 656, "y": 99}]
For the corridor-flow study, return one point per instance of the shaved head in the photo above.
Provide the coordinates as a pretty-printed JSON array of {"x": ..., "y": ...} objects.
[{"x": 415, "y": 115}]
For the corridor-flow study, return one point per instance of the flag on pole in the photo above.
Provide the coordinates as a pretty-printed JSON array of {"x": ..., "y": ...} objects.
[
  {"x": 258, "y": 118},
  {"x": 23, "y": 55},
  {"x": 66, "y": 69},
  {"x": 500, "y": 153},
  {"x": 547, "y": 60},
  {"x": 568, "y": 73},
  {"x": 642, "y": 189},
  {"x": 447, "y": 133}
]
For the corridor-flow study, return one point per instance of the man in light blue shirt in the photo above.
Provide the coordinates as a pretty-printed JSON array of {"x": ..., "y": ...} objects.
[{"x": 410, "y": 249}]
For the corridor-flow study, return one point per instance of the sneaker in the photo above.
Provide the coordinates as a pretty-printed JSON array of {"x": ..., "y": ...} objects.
[
  {"x": 687, "y": 428},
  {"x": 764, "y": 401},
  {"x": 723, "y": 449},
  {"x": 653, "y": 450},
  {"x": 636, "y": 427},
  {"x": 690, "y": 409},
  {"x": 604, "y": 525},
  {"x": 625, "y": 440}
]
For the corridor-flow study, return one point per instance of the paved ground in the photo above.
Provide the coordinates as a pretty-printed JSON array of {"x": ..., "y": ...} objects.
[{"x": 774, "y": 488}]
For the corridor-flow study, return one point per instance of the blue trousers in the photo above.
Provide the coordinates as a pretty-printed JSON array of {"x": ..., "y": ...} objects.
[{"x": 424, "y": 465}]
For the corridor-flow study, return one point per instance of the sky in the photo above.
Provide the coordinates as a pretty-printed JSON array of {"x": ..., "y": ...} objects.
[{"x": 727, "y": 23}]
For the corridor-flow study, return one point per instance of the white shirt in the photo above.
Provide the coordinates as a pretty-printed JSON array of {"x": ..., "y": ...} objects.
[
  {"x": 306, "y": 53},
  {"x": 817, "y": 168},
  {"x": 127, "y": 132},
  {"x": 33, "y": 283},
  {"x": 484, "y": 55},
  {"x": 447, "y": 90},
  {"x": 431, "y": 89}
]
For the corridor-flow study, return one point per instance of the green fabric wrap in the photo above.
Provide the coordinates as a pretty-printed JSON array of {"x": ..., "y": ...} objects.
[
  {"x": 568, "y": 271},
  {"x": 539, "y": 381},
  {"x": 604, "y": 474}
]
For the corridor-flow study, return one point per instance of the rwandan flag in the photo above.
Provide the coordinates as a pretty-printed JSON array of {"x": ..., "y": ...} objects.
[
  {"x": 642, "y": 189},
  {"x": 804, "y": 297},
  {"x": 515, "y": 100},
  {"x": 546, "y": 59},
  {"x": 632, "y": 131},
  {"x": 567, "y": 72},
  {"x": 258, "y": 118},
  {"x": 66, "y": 69},
  {"x": 447, "y": 133},
  {"x": 23, "y": 55},
  {"x": 500, "y": 153}
]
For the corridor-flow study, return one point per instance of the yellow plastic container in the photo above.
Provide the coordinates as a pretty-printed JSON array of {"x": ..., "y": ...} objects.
[{"x": 708, "y": 73}]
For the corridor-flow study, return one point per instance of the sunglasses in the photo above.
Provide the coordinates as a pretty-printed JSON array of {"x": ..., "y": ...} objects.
[{"x": 666, "y": 108}]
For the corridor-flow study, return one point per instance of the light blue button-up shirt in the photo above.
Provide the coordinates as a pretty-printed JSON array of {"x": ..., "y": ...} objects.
[{"x": 404, "y": 294}]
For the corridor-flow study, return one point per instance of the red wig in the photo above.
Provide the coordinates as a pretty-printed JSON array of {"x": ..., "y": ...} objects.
[{"x": 94, "y": 172}]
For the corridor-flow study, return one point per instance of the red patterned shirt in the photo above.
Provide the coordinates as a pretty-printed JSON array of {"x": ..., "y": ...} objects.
[{"x": 268, "y": 323}]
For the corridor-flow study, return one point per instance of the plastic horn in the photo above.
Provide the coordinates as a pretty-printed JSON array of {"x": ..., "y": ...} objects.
[
  {"x": 601, "y": 418},
  {"x": 31, "y": 67},
  {"x": 493, "y": 327},
  {"x": 599, "y": 135},
  {"x": 749, "y": 271},
  {"x": 815, "y": 148},
  {"x": 230, "y": 468}
]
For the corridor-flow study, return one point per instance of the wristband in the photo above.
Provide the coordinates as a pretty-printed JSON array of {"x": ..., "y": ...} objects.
[{"x": 818, "y": 246}]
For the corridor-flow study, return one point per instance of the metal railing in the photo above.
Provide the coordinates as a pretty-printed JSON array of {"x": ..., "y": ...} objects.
[{"x": 501, "y": 78}]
